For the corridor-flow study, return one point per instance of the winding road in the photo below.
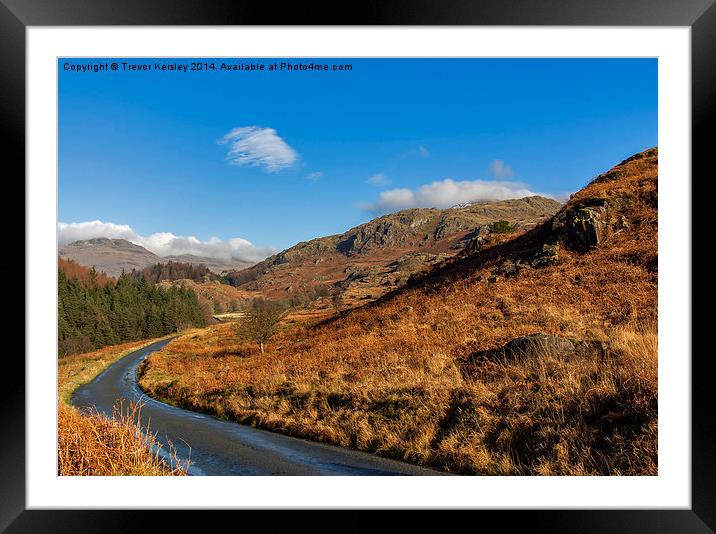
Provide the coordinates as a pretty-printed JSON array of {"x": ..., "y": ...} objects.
[{"x": 220, "y": 447}]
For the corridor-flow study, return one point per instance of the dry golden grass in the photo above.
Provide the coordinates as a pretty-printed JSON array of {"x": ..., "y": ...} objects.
[
  {"x": 90, "y": 443},
  {"x": 402, "y": 377}
]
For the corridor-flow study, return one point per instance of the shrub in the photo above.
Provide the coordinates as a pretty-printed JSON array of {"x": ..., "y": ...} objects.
[{"x": 501, "y": 227}]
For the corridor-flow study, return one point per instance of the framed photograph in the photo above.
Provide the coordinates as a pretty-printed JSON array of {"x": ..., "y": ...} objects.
[{"x": 413, "y": 260}]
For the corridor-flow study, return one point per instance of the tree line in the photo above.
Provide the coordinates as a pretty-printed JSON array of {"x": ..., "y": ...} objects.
[{"x": 92, "y": 315}]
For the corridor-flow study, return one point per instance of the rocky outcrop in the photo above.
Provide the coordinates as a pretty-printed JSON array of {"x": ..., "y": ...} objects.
[
  {"x": 548, "y": 255},
  {"x": 537, "y": 345},
  {"x": 476, "y": 240},
  {"x": 541, "y": 345},
  {"x": 386, "y": 232},
  {"x": 530, "y": 347},
  {"x": 587, "y": 221},
  {"x": 302, "y": 251},
  {"x": 507, "y": 269},
  {"x": 451, "y": 222},
  {"x": 582, "y": 228}
]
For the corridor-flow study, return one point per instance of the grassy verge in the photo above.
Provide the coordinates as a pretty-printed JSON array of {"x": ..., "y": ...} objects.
[{"x": 90, "y": 443}]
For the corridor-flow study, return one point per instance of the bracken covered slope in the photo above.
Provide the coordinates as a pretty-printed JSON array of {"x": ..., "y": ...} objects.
[{"x": 533, "y": 353}]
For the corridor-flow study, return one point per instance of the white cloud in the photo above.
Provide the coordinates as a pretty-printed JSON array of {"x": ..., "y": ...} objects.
[
  {"x": 448, "y": 192},
  {"x": 423, "y": 151},
  {"x": 165, "y": 243},
  {"x": 261, "y": 147},
  {"x": 379, "y": 179},
  {"x": 500, "y": 169},
  {"x": 314, "y": 176}
]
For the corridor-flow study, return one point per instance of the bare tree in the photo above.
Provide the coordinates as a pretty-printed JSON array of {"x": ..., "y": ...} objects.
[{"x": 262, "y": 321}]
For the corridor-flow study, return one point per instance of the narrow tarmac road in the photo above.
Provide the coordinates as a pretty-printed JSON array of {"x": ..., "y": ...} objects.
[{"x": 221, "y": 447}]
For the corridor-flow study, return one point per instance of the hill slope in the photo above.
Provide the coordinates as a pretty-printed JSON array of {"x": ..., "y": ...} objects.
[
  {"x": 535, "y": 355},
  {"x": 371, "y": 259}
]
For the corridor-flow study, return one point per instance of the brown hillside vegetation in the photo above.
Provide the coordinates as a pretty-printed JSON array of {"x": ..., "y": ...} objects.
[
  {"x": 84, "y": 274},
  {"x": 537, "y": 354},
  {"x": 92, "y": 444}
]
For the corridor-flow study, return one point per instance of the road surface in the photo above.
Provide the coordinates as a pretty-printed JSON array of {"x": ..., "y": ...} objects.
[{"x": 219, "y": 447}]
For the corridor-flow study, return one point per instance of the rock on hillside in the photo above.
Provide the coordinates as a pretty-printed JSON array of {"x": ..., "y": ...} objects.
[{"x": 605, "y": 206}]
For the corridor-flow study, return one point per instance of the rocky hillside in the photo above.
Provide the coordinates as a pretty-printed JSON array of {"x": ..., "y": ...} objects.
[{"x": 376, "y": 257}]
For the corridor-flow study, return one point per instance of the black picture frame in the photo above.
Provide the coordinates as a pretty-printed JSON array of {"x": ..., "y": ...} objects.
[{"x": 699, "y": 15}]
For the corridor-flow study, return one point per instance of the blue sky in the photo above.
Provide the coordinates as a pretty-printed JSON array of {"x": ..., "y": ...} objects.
[{"x": 275, "y": 158}]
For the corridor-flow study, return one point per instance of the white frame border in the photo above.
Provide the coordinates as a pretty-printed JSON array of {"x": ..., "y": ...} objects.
[{"x": 670, "y": 489}]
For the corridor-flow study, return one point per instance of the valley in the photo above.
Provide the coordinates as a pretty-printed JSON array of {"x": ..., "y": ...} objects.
[
  {"x": 318, "y": 277},
  {"x": 530, "y": 349}
]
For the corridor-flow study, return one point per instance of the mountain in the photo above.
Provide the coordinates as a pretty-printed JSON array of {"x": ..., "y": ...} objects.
[
  {"x": 376, "y": 257},
  {"x": 111, "y": 256}
]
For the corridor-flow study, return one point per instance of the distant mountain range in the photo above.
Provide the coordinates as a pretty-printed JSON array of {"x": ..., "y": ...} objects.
[
  {"x": 215, "y": 265},
  {"x": 113, "y": 256}
]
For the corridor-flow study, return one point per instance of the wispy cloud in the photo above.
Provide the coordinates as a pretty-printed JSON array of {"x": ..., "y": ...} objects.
[
  {"x": 500, "y": 169},
  {"x": 423, "y": 151},
  {"x": 165, "y": 243},
  {"x": 261, "y": 147},
  {"x": 446, "y": 193},
  {"x": 379, "y": 179},
  {"x": 314, "y": 176}
]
